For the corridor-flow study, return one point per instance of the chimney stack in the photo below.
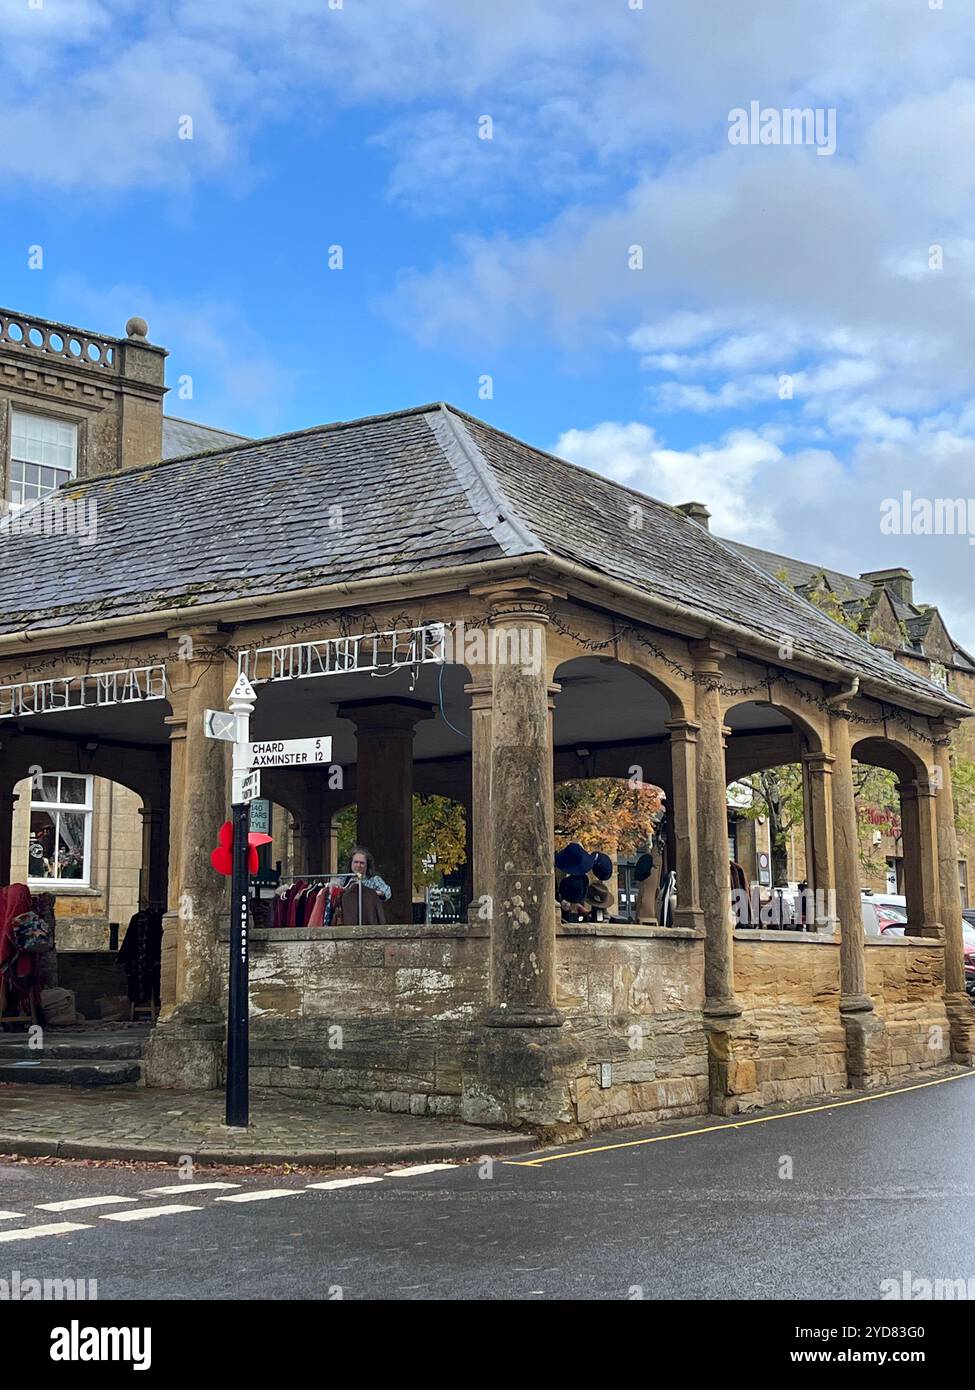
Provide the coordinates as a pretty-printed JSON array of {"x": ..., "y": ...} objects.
[
  {"x": 697, "y": 511},
  {"x": 899, "y": 581}
]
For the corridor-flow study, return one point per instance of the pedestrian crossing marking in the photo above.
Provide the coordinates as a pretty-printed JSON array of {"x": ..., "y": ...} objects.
[
  {"x": 57, "y": 1228},
  {"x": 261, "y": 1196},
  {"x": 419, "y": 1168},
  {"x": 182, "y": 1187},
  {"x": 146, "y": 1213},
  {"x": 76, "y": 1203},
  {"x": 10, "y": 1215},
  {"x": 340, "y": 1182}
]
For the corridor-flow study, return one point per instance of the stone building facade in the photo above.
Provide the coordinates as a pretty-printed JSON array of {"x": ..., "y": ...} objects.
[{"x": 416, "y": 587}]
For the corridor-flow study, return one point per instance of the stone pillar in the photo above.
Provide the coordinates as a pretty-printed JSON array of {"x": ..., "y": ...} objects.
[
  {"x": 154, "y": 878},
  {"x": 481, "y": 692},
  {"x": 712, "y": 833},
  {"x": 920, "y": 857},
  {"x": 731, "y": 1070},
  {"x": 682, "y": 821},
  {"x": 384, "y": 785},
  {"x": 521, "y": 1066},
  {"x": 865, "y": 1032},
  {"x": 186, "y": 1047},
  {"x": 957, "y": 1004},
  {"x": 820, "y": 874},
  {"x": 8, "y": 803}
]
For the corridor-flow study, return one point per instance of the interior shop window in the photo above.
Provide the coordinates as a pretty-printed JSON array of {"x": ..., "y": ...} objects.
[
  {"x": 60, "y": 829},
  {"x": 43, "y": 455}
]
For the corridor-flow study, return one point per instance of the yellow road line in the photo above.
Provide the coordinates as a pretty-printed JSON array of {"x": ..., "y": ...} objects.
[{"x": 735, "y": 1124}]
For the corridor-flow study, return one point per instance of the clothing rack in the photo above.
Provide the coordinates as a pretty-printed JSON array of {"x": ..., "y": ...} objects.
[{"x": 345, "y": 880}]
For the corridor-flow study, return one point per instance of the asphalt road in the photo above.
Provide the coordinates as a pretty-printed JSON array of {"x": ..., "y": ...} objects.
[{"x": 877, "y": 1188}]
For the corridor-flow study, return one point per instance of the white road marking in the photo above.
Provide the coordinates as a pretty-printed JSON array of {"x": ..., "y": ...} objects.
[
  {"x": 57, "y": 1228},
  {"x": 146, "y": 1213},
  {"x": 10, "y": 1215},
  {"x": 340, "y": 1182},
  {"x": 261, "y": 1196},
  {"x": 419, "y": 1168},
  {"x": 181, "y": 1187},
  {"x": 76, "y": 1203}
]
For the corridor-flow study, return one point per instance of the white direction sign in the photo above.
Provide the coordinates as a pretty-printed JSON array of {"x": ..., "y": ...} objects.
[
  {"x": 247, "y": 787},
  {"x": 220, "y": 723},
  {"x": 286, "y": 752}
]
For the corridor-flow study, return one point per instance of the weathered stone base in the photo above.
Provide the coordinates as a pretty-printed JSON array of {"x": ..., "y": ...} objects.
[
  {"x": 522, "y": 1077},
  {"x": 961, "y": 1022},
  {"x": 186, "y": 1052}
]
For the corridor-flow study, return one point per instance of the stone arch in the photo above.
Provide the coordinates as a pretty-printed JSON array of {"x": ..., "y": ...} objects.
[{"x": 918, "y": 875}]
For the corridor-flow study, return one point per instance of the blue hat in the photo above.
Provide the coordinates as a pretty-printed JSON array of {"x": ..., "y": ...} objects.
[
  {"x": 573, "y": 889},
  {"x": 603, "y": 866},
  {"x": 643, "y": 867},
  {"x": 573, "y": 859}
]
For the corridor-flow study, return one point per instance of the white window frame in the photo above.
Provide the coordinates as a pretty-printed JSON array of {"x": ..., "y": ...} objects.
[
  {"x": 12, "y": 458},
  {"x": 86, "y": 809}
]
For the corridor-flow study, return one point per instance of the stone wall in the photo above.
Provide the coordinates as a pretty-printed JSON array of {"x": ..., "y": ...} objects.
[
  {"x": 633, "y": 997},
  {"x": 369, "y": 1016},
  {"x": 905, "y": 980},
  {"x": 380, "y": 1017},
  {"x": 790, "y": 1040}
]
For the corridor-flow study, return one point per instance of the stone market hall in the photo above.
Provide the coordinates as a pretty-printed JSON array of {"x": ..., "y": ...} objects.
[{"x": 468, "y": 616}]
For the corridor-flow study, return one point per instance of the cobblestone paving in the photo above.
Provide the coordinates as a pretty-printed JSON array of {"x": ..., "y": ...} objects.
[{"x": 155, "y": 1125}]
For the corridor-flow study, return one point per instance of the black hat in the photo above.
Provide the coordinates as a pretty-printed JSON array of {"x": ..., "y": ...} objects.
[
  {"x": 573, "y": 859},
  {"x": 602, "y": 866},
  {"x": 643, "y": 867}
]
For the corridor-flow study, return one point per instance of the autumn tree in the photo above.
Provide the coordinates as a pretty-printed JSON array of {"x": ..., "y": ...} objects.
[
  {"x": 776, "y": 793},
  {"x": 609, "y": 815}
]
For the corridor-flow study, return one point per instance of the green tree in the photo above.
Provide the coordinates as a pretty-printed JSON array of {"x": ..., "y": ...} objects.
[
  {"x": 439, "y": 838},
  {"x": 776, "y": 793}
]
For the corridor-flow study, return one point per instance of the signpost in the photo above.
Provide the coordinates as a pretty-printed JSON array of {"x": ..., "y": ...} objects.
[{"x": 234, "y": 725}]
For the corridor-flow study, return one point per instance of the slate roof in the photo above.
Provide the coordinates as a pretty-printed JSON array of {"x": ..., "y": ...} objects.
[
  {"x": 181, "y": 437},
  {"x": 420, "y": 490}
]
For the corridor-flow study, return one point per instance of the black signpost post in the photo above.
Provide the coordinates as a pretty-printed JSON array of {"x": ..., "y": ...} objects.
[{"x": 238, "y": 1041}]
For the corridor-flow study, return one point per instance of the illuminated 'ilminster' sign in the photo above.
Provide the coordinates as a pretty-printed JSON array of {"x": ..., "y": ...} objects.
[
  {"x": 376, "y": 652},
  {"x": 131, "y": 686}
]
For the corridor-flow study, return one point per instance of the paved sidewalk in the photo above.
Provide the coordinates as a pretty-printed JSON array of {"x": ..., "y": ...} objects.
[{"x": 130, "y": 1122}]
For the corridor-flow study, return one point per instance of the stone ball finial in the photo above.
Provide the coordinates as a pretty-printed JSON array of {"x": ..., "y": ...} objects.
[{"x": 136, "y": 328}]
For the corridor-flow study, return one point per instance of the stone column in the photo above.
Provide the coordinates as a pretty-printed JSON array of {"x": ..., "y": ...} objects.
[
  {"x": 865, "y": 1032},
  {"x": 920, "y": 857},
  {"x": 186, "y": 1046},
  {"x": 820, "y": 873},
  {"x": 521, "y": 1067},
  {"x": 384, "y": 783},
  {"x": 682, "y": 821},
  {"x": 481, "y": 691},
  {"x": 712, "y": 831},
  {"x": 154, "y": 878},
  {"x": 957, "y": 1004},
  {"x": 731, "y": 1069}
]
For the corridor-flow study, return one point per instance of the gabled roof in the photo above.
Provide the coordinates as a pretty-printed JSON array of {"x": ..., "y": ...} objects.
[
  {"x": 182, "y": 437},
  {"x": 393, "y": 495}
]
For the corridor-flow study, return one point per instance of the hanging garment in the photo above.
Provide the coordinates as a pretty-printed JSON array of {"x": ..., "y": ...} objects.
[
  {"x": 739, "y": 886},
  {"x": 372, "y": 908},
  {"x": 19, "y": 970},
  {"x": 649, "y": 891},
  {"x": 316, "y": 917},
  {"x": 140, "y": 955}
]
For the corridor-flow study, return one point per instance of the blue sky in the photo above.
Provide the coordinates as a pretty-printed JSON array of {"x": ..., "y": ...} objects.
[{"x": 357, "y": 124}]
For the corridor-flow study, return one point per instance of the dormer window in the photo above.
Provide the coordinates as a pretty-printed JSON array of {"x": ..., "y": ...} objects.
[{"x": 43, "y": 455}]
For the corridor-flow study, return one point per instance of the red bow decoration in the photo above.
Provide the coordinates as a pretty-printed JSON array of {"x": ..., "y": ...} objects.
[{"x": 222, "y": 858}]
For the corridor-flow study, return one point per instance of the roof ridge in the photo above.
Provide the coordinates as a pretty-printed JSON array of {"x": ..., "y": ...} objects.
[
  {"x": 485, "y": 495},
  {"x": 246, "y": 443}
]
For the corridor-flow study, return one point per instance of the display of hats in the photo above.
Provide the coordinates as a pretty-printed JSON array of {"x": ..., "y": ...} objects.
[
  {"x": 643, "y": 867},
  {"x": 573, "y": 889},
  {"x": 573, "y": 859},
  {"x": 600, "y": 896},
  {"x": 602, "y": 866}
]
